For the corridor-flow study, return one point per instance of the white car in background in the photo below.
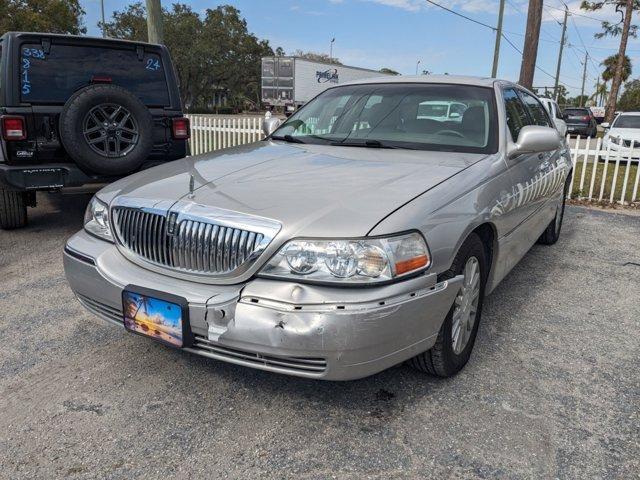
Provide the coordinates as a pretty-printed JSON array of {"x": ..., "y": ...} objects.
[
  {"x": 556, "y": 114},
  {"x": 442, "y": 111},
  {"x": 623, "y": 136}
]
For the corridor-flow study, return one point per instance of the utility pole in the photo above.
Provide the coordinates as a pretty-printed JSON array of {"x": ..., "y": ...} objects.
[
  {"x": 154, "y": 21},
  {"x": 597, "y": 95},
  {"x": 331, "y": 50},
  {"x": 584, "y": 78},
  {"x": 496, "y": 51},
  {"x": 530, "y": 52},
  {"x": 104, "y": 32},
  {"x": 617, "y": 78},
  {"x": 562, "y": 40},
  {"x": 417, "y": 65}
]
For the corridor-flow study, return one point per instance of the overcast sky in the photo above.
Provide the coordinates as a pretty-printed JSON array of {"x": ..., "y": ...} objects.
[{"x": 398, "y": 33}]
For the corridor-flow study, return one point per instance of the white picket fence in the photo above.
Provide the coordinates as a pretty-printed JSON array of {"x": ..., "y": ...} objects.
[
  {"x": 214, "y": 132},
  {"x": 599, "y": 174},
  {"x": 604, "y": 174}
]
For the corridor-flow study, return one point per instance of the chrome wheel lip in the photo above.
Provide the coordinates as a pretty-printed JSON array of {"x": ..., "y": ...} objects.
[
  {"x": 110, "y": 130},
  {"x": 466, "y": 306}
]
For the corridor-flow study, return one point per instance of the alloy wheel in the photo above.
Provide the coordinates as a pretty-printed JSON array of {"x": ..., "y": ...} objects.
[
  {"x": 110, "y": 130},
  {"x": 466, "y": 306}
]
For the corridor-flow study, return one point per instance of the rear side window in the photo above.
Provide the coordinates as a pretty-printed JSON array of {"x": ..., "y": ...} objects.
[
  {"x": 52, "y": 78},
  {"x": 537, "y": 111},
  {"x": 517, "y": 116}
]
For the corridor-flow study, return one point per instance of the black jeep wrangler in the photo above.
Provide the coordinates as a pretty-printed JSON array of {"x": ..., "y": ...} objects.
[{"x": 77, "y": 111}]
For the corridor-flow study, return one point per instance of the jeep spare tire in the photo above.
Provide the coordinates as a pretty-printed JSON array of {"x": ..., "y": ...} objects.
[{"x": 106, "y": 130}]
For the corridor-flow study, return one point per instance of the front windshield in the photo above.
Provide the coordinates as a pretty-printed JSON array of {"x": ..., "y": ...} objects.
[
  {"x": 627, "y": 121},
  {"x": 439, "y": 117}
]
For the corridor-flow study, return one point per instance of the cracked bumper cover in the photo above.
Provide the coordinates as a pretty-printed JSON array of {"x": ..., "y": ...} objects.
[{"x": 298, "y": 329}]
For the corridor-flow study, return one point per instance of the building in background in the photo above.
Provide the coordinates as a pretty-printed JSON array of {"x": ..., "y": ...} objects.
[{"x": 288, "y": 82}]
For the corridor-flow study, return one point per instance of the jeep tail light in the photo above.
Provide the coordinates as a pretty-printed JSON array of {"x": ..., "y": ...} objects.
[
  {"x": 13, "y": 128},
  {"x": 180, "y": 128},
  {"x": 586, "y": 118}
]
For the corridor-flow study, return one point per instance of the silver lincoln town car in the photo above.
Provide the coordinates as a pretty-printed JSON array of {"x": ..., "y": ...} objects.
[{"x": 362, "y": 232}]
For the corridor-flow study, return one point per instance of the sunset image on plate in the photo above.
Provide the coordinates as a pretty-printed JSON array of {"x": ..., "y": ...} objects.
[{"x": 153, "y": 318}]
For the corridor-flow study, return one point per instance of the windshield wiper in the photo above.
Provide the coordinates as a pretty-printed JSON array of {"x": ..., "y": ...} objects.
[
  {"x": 366, "y": 143},
  {"x": 288, "y": 139}
]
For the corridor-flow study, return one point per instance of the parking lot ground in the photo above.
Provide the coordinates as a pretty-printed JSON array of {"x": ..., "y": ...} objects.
[{"x": 552, "y": 389}]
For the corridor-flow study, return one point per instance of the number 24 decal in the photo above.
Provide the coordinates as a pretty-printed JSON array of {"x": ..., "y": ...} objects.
[{"x": 153, "y": 64}]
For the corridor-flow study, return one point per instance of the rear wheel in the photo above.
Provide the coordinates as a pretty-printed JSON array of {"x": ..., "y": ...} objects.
[
  {"x": 13, "y": 209},
  {"x": 458, "y": 332},
  {"x": 552, "y": 232}
]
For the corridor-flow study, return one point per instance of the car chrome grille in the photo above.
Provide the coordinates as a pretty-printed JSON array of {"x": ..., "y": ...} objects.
[
  {"x": 194, "y": 246},
  {"x": 308, "y": 365}
]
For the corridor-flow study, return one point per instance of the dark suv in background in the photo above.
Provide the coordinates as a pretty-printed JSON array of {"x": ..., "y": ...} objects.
[
  {"x": 580, "y": 121},
  {"x": 77, "y": 111}
]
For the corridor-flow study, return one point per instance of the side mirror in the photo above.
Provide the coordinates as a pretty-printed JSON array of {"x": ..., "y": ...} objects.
[
  {"x": 270, "y": 124},
  {"x": 535, "y": 139},
  {"x": 605, "y": 125}
]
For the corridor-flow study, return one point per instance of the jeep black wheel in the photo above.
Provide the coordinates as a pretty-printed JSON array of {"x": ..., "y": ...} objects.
[
  {"x": 106, "y": 130},
  {"x": 13, "y": 209}
]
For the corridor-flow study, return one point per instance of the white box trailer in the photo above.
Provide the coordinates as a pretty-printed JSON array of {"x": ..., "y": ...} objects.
[{"x": 292, "y": 81}]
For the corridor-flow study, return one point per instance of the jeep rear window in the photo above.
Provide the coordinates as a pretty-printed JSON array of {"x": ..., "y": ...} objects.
[{"x": 52, "y": 78}]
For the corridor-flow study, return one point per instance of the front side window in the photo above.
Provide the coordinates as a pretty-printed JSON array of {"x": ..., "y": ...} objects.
[
  {"x": 517, "y": 116},
  {"x": 536, "y": 110},
  {"x": 413, "y": 116},
  {"x": 53, "y": 77},
  {"x": 627, "y": 121}
]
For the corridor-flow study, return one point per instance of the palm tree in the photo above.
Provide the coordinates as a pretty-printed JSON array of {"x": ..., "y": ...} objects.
[
  {"x": 601, "y": 92},
  {"x": 609, "y": 65}
]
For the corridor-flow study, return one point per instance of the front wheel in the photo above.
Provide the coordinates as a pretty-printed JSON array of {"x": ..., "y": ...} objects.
[
  {"x": 13, "y": 209},
  {"x": 458, "y": 332}
]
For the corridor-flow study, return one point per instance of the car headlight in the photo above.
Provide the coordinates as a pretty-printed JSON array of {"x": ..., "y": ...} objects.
[
  {"x": 350, "y": 261},
  {"x": 614, "y": 140},
  {"x": 96, "y": 220}
]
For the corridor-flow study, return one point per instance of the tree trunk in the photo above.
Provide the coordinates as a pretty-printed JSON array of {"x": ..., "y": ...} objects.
[{"x": 617, "y": 78}]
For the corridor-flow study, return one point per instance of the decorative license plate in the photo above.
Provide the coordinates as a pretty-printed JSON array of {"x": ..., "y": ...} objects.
[{"x": 156, "y": 315}]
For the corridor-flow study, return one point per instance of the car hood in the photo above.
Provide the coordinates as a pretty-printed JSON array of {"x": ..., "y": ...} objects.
[
  {"x": 311, "y": 190},
  {"x": 625, "y": 133}
]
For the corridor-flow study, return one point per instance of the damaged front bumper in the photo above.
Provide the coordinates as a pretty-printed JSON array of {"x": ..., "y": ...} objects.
[{"x": 305, "y": 330}]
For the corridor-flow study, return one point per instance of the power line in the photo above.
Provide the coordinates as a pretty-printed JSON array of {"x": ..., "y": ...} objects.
[
  {"x": 578, "y": 14},
  {"x": 494, "y": 29},
  {"x": 460, "y": 15},
  {"x": 537, "y": 67}
]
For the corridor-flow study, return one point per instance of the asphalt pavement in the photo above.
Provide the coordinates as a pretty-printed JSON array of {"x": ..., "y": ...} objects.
[{"x": 552, "y": 389}]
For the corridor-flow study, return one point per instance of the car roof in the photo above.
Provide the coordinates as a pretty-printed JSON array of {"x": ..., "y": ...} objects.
[
  {"x": 78, "y": 38},
  {"x": 630, "y": 114},
  {"x": 447, "y": 79}
]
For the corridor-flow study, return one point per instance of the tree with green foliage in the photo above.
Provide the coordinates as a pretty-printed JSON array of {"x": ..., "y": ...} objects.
[
  {"x": 317, "y": 57},
  {"x": 56, "y": 16},
  {"x": 630, "y": 99},
  {"x": 212, "y": 52},
  {"x": 389, "y": 71},
  {"x": 623, "y": 29},
  {"x": 610, "y": 64},
  {"x": 578, "y": 101}
]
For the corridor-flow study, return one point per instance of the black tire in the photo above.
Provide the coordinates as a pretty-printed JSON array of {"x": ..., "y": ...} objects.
[
  {"x": 552, "y": 232},
  {"x": 441, "y": 360},
  {"x": 13, "y": 209},
  {"x": 72, "y": 125}
]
